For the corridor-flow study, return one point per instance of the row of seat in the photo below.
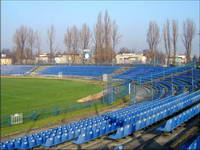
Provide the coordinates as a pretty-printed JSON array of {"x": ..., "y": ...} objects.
[
  {"x": 176, "y": 84},
  {"x": 15, "y": 69},
  {"x": 122, "y": 118},
  {"x": 168, "y": 109},
  {"x": 86, "y": 70},
  {"x": 144, "y": 74},
  {"x": 176, "y": 121}
]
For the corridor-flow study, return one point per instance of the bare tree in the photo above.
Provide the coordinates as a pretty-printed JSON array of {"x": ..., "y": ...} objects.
[
  {"x": 75, "y": 42},
  {"x": 174, "y": 38},
  {"x": 85, "y": 38},
  {"x": 75, "y": 39},
  {"x": 71, "y": 41},
  {"x": 124, "y": 50},
  {"x": 51, "y": 41},
  {"x": 115, "y": 38},
  {"x": 115, "y": 35},
  {"x": 30, "y": 44},
  {"x": 107, "y": 50},
  {"x": 153, "y": 37},
  {"x": 167, "y": 40},
  {"x": 160, "y": 57},
  {"x": 38, "y": 42},
  {"x": 20, "y": 40},
  {"x": 98, "y": 39},
  {"x": 106, "y": 37},
  {"x": 68, "y": 40},
  {"x": 188, "y": 36}
]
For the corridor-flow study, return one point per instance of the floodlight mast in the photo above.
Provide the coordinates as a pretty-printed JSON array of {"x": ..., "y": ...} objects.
[{"x": 199, "y": 48}]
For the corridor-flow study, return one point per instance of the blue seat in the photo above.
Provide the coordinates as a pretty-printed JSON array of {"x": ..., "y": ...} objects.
[
  {"x": 18, "y": 143},
  {"x": 57, "y": 140},
  {"x": 138, "y": 125},
  {"x": 81, "y": 139},
  {"x": 71, "y": 134},
  {"x": 64, "y": 137},
  {"x": 128, "y": 129},
  {"x": 4, "y": 146},
  {"x": 39, "y": 141},
  {"x": 25, "y": 145},
  {"x": 49, "y": 142},
  {"x": 119, "y": 134},
  {"x": 32, "y": 143},
  {"x": 166, "y": 127},
  {"x": 90, "y": 136},
  {"x": 77, "y": 132}
]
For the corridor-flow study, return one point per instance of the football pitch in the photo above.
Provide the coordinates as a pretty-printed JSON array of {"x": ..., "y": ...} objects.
[{"x": 21, "y": 95}]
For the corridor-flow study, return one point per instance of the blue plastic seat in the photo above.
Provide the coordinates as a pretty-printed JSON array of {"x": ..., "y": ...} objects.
[
  {"x": 32, "y": 143},
  {"x": 81, "y": 139},
  {"x": 64, "y": 137},
  {"x": 90, "y": 135},
  {"x": 96, "y": 133},
  {"x": 71, "y": 134},
  {"x": 4, "y": 146},
  {"x": 18, "y": 143},
  {"x": 108, "y": 128},
  {"x": 119, "y": 134},
  {"x": 166, "y": 127},
  {"x": 49, "y": 142},
  {"x": 39, "y": 141},
  {"x": 25, "y": 145},
  {"x": 138, "y": 125},
  {"x": 77, "y": 132},
  {"x": 102, "y": 130},
  {"x": 57, "y": 140}
]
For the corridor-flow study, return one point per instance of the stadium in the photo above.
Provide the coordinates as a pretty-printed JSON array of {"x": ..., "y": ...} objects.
[
  {"x": 100, "y": 75},
  {"x": 138, "y": 101}
]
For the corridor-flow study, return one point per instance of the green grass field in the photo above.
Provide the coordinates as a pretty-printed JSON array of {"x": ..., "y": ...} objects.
[
  {"x": 29, "y": 94},
  {"x": 21, "y": 95}
]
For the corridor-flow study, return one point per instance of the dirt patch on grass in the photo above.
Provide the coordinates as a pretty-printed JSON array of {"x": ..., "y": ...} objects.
[{"x": 92, "y": 97}]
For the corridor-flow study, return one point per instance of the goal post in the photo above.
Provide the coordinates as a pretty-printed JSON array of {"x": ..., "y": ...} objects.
[
  {"x": 60, "y": 75},
  {"x": 16, "y": 118}
]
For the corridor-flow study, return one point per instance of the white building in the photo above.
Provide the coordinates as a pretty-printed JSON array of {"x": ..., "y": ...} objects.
[
  {"x": 5, "y": 60},
  {"x": 68, "y": 59},
  {"x": 180, "y": 59},
  {"x": 61, "y": 59},
  {"x": 42, "y": 58},
  {"x": 128, "y": 58}
]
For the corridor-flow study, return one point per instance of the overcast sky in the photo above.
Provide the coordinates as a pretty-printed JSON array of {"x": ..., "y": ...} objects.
[{"x": 132, "y": 18}]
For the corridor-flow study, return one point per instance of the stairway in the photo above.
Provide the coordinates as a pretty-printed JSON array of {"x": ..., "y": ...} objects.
[
  {"x": 37, "y": 70},
  {"x": 119, "y": 71}
]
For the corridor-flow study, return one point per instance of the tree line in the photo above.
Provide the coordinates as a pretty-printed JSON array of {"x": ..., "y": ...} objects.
[
  {"x": 170, "y": 37},
  {"x": 103, "y": 40}
]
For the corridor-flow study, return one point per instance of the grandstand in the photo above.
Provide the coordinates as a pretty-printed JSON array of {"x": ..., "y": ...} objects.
[
  {"x": 90, "y": 71},
  {"x": 87, "y": 71},
  {"x": 15, "y": 69},
  {"x": 144, "y": 74},
  {"x": 174, "y": 98}
]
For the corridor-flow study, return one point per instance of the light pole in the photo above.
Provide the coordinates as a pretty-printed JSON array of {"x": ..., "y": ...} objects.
[{"x": 199, "y": 48}]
